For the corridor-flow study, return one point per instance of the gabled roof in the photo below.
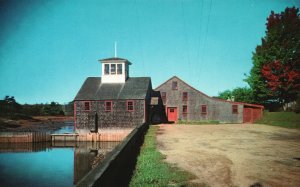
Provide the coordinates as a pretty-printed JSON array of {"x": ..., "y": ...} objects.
[
  {"x": 115, "y": 59},
  {"x": 133, "y": 88},
  {"x": 216, "y": 99}
]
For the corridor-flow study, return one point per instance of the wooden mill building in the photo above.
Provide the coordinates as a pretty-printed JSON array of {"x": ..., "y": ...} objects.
[
  {"x": 114, "y": 100},
  {"x": 183, "y": 102},
  {"x": 117, "y": 101}
]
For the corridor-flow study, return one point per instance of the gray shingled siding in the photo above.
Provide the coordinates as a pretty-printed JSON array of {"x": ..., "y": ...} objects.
[
  {"x": 119, "y": 117},
  {"x": 216, "y": 110}
]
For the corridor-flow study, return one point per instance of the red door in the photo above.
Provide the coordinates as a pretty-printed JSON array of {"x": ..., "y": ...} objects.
[
  {"x": 248, "y": 117},
  {"x": 172, "y": 114}
]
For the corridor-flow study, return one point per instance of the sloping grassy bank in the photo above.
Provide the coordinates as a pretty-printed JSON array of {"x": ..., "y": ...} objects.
[
  {"x": 151, "y": 170},
  {"x": 282, "y": 119}
]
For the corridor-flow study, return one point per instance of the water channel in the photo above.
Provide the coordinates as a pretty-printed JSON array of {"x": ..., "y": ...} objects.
[{"x": 43, "y": 164}]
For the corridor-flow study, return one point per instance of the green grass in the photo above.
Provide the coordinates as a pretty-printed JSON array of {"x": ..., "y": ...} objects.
[
  {"x": 282, "y": 119},
  {"x": 151, "y": 170},
  {"x": 199, "y": 122}
]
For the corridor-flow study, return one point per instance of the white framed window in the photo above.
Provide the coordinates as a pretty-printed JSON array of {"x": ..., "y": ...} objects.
[
  {"x": 106, "y": 69},
  {"x": 119, "y": 69},
  {"x": 113, "y": 69}
]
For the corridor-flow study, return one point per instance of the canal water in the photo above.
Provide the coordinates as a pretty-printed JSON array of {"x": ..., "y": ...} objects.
[
  {"x": 69, "y": 128},
  {"x": 43, "y": 164}
]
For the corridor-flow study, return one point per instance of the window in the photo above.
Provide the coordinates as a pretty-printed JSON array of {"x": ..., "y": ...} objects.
[
  {"x": 119, "y": 69},
  {"x": 184, "y": 109},
  {"x": 108, "y": 106},
  {"x": 234, "y": 109},
  {"x": 164, "y": 96},
  {"x": 113, "y": 69},
  {"x": 87, "y": 106},
  {"x": 106, "y": 69},
  {"x": 184, "y": 96},
  {"x": 130, "y": 105},
  {"x": 174, "y": 85},
  {"x": 203, "y": 109}
]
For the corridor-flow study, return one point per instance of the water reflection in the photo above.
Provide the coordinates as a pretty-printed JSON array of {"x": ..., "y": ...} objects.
[
  {"x": 88, "y": 155},
  {"x": 43, "y": 164},
  {"x": 24, "y": 147}
]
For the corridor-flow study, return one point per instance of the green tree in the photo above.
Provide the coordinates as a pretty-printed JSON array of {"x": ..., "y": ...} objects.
[
  {"x": 227, "y": 94},
  {"x": 53, "y": 109},
  {"x": 238, "y": 94},
  {"x": 9, "y": 105},
  {"x": 33, "y": 110},
  {"x": 243, "y": 95},
  {"x": 281, "y": 45}
]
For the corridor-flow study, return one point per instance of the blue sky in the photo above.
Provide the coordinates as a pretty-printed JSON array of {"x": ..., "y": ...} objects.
[{"x": 48, "y": 48}]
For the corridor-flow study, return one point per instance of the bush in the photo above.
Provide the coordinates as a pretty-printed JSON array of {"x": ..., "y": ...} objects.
[{"x": 297, "y": 107}]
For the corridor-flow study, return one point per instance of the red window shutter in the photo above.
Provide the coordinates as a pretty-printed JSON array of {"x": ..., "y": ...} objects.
[
  {"x": 184, "y": 96},
  {"x": 203, "y": 109},
  {"x": 235, "y": 109},
  {"x": 174, "y": 85},
  {"x": 184, "y": 109},
  {"x": 130, "y": 105},
  {"x": 164, "y": 97},
  {"x": 108, "y": 106},
  {"x": 87, "y": 106}
]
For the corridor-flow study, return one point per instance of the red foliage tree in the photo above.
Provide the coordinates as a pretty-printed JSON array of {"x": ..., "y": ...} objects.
[{"x": 283, "y": 80}]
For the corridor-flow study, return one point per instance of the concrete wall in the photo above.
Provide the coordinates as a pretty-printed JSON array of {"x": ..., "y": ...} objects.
[
  {"x": 118, "y": 166},
  {"x": 216, "y": 109},
  {"x": 119, "y": 117}
]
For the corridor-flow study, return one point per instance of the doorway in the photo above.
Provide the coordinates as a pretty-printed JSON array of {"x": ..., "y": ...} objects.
[{"x": 172, "y": 113}]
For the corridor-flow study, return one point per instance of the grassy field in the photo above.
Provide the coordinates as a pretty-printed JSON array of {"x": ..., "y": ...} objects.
[
  {"x": 151, "y": 170},
  {"x": 282, "y": 119}
]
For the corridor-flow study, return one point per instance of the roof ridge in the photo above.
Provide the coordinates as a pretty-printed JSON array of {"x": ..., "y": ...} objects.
[{"x": 174, "y": 76}]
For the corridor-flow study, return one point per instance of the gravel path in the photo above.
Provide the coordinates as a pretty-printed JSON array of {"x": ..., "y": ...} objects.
[{"x": 234, "y": 154}]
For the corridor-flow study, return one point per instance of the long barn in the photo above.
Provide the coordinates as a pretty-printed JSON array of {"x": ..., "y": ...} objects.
[{"x": 185, "y": 103}]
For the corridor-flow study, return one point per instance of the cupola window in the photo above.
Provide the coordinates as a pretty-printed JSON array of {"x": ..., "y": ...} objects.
[
  {"x": 119, "y": 69},
  {"x": 113, "y": 69},
  {"x": 106, "y": 69}
]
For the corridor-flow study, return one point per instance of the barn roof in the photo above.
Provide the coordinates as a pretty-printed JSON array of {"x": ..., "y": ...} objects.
[{"x": 133, "y": 88}]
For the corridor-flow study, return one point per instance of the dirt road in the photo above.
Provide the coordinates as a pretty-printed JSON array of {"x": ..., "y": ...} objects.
[{"x": 234, "y": 154}]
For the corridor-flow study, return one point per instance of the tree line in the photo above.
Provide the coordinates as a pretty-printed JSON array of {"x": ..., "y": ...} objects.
[
  {"x": 9, "y": 107},
  {"x": 274, "y": 80}
]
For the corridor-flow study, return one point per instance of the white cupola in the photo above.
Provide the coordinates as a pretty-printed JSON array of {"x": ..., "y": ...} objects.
[{"x": 115, "y": 70}]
